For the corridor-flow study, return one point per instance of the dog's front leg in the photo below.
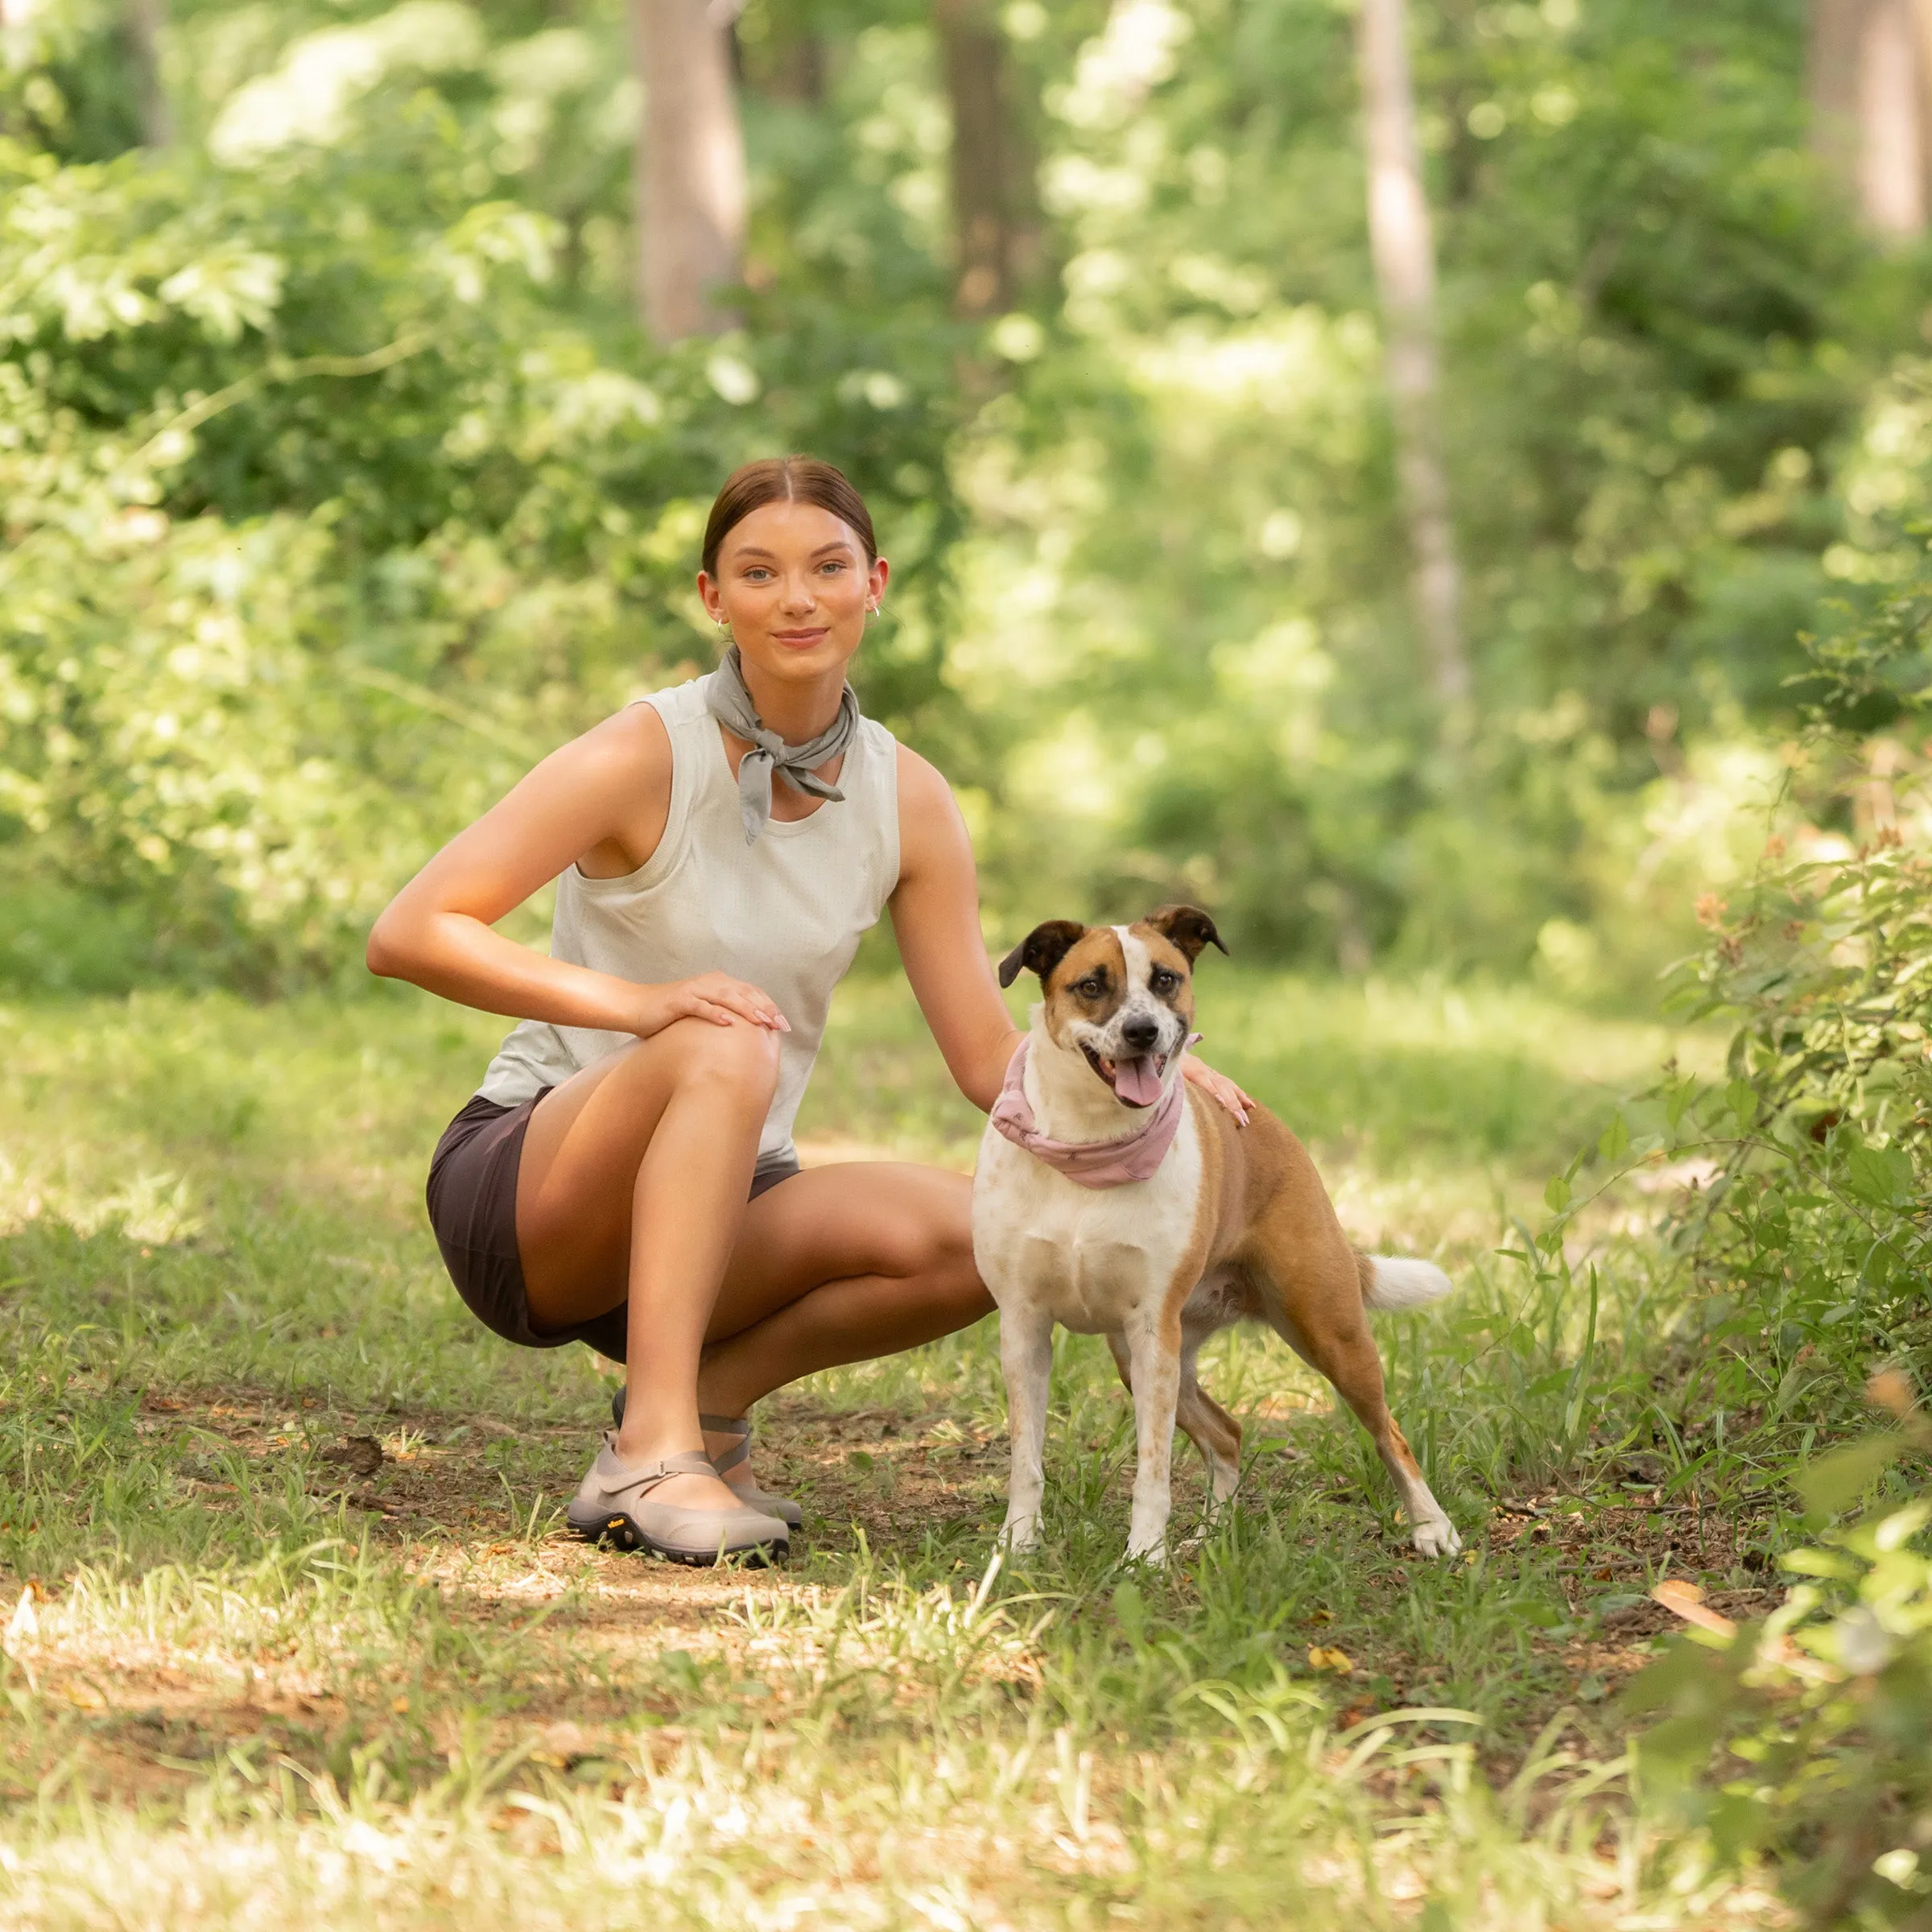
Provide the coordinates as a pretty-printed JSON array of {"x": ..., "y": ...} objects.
[
  {"x": 1027, "y": 1355},
  {"x": 1154, "y": 1358}
]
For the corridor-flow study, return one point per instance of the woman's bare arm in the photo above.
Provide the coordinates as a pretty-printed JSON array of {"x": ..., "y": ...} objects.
[
  {"x": 609, "y": 792},
  {"x": 935, "y": 914}
]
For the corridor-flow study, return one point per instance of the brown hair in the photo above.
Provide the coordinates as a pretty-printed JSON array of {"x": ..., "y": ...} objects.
[{"x": 785, "y": 480}]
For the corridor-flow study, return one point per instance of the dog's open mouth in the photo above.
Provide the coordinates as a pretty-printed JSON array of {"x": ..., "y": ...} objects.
[{"x": 1137, "y": 1081}]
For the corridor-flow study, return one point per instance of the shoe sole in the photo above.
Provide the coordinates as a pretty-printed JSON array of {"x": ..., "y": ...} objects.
[{"x": 614, "y": 1527}]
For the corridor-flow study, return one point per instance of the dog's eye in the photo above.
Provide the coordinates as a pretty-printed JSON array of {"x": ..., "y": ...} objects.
[
  {"x": 1092, "y": 986},
  {"x": 1162, "y": 980}
]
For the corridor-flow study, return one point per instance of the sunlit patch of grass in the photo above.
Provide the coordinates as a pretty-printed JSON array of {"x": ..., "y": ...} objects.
[{"x": 263, "y": 1675}]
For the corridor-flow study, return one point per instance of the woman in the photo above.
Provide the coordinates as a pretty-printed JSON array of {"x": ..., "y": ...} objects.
[{"x": 625, "y": 1176}]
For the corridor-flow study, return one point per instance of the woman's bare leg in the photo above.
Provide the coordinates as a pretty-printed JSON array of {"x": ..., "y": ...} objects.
[
  {"x": 631, "y": 1184},
  {"x": 636, "y": 1171},
  {"x": 841, "y": 1263}
]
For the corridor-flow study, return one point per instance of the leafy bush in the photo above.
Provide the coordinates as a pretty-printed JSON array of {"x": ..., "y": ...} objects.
[
  {"x": 324, "y": 525},
  {"x": 1807, "y": 1739},
  {"x": 1819, "y": 1219}
]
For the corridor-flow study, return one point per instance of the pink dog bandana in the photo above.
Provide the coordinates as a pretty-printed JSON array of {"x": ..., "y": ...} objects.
[{"x": 1133, "y": 1157}]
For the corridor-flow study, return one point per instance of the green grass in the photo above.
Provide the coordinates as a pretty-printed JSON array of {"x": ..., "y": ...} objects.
[{"x": 248, "y": 1685}]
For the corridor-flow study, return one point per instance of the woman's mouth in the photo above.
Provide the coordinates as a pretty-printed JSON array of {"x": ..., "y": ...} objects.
[{"x": 801, "y": 640}]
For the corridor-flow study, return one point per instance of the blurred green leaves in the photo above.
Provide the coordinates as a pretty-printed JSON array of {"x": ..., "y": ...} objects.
[
  {"x": 366, "y": 326},
  {"x": 1805, "y": 1737},
  {"x": 330, "y": 505}
]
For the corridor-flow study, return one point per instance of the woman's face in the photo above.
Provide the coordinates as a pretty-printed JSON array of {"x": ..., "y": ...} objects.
[{"x": 794, "y": 587}]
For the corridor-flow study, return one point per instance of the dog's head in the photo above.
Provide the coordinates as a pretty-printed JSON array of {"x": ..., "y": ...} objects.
[{"x": 1122, "y": 996}]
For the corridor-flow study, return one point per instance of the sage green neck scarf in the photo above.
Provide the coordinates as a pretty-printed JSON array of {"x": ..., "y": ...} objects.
[{"x": 729, "y": 702}]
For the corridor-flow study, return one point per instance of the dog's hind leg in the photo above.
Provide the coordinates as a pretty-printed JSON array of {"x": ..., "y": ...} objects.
[
  {"x": 1027, "y": 1355},
  {"x": 1207, "y": 1425},
  {"x": 1347, "y": 1355},
  {"x": 1210, "y": 1427},
  {"x": 1355, "y": 1368}
]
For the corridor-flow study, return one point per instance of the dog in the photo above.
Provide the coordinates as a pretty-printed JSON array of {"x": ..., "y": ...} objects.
[{"x": 1115, "y": 1199}]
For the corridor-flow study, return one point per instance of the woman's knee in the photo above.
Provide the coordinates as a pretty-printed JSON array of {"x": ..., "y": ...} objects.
[
  {"x": 945, "y": 1256},
  {"x": 741, "y": 1057}
]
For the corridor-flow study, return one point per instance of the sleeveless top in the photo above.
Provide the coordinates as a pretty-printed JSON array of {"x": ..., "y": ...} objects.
[{"x": 785, "y": 913}]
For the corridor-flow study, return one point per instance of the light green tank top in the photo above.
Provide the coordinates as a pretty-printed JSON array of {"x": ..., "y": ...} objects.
[{"x": 786, "y": 914}]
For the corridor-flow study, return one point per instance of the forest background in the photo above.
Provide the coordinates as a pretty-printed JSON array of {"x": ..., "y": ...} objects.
[
  {"x": 347, "y": 468},
  {"x": 1449, "y": 493}
]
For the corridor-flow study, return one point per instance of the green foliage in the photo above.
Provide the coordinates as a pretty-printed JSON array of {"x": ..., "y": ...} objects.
[
  {"x": 339, "y": 485},
  {"x": 1817, "y": 1219},
  {"x": 1807, "y": 1739},
  {"x": 325, "y": 518}
]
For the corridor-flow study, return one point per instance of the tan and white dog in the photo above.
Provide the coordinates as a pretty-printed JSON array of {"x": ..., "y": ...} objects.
[{"x": 1230, "y": 1224}]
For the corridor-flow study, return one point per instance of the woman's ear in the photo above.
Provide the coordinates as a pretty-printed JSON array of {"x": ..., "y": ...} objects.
[
  {"x": 1042, "y": 950},
  {"x": 1187, "y": 926}
]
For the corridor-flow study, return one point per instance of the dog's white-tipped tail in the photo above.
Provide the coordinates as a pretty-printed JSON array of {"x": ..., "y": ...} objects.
[{"x": 1393, "y": 1284}]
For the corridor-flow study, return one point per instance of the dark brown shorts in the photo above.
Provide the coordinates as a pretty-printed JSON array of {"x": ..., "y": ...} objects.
[{"x": 473, "y": 1207}]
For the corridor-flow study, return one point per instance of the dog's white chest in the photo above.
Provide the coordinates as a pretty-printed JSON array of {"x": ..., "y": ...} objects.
[{"x": 1090, "y": 1257}]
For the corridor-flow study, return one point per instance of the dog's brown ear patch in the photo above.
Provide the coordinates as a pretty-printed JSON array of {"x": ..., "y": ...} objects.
[
  {"x": 1188, "y": 927},
  {"x": 1042, "y": 950}
]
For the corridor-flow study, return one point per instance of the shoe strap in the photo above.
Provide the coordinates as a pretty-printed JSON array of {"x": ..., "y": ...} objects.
[
  {"x": 644, "y": 1476},
  {"x": 739, "y": 1426}
]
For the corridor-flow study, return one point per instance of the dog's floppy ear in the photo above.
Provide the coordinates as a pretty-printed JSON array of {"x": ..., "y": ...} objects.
[
  {"x": 1042, "y": 950},
  {"x": 1187, "y": 926}
]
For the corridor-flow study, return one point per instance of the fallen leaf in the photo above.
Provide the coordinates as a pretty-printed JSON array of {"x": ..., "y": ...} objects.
[
  {"x": 1687, "y": 1601},
  {"x": 1339, "y": 1662}
]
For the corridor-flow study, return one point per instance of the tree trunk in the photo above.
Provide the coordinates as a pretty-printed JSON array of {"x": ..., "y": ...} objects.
[
  {"x": 145, "y": 21},
  {"x": 688, "y": 172},
  {"x": 1405, "y": 273},
  {"x": 991, "y": 176},
  {"x": 1869, "y": 73}
]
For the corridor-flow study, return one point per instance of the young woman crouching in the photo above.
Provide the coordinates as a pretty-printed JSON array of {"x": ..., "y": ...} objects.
[{"x": 625, "y": 1176}]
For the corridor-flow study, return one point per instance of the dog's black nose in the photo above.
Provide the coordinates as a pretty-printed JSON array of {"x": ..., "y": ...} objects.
[{"x": 1140, "y": 1034}]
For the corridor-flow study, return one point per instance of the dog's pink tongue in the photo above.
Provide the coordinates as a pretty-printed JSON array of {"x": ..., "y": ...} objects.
[{"x": 1136, "y": 1081}]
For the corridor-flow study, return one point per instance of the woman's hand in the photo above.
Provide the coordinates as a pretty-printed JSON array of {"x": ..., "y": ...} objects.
[
  {"x": 1217, "y": 1087},
  {"x": 716, "y": 996}
]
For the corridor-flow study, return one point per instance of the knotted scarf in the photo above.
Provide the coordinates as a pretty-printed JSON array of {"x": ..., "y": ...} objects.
[
  {"x": 1133, "y": 1157},
  {"x": 728, "y": 701}
]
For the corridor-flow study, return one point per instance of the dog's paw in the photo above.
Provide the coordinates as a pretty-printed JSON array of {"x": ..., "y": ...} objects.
[
  {"x": 1154, "y": 1555},
  {"x": 1017, "y": 1537},
  {"x": 1437, "y": 1538}
]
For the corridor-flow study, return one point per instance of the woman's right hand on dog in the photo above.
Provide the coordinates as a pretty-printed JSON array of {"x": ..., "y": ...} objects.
[{"x": 716, "y": 996}]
